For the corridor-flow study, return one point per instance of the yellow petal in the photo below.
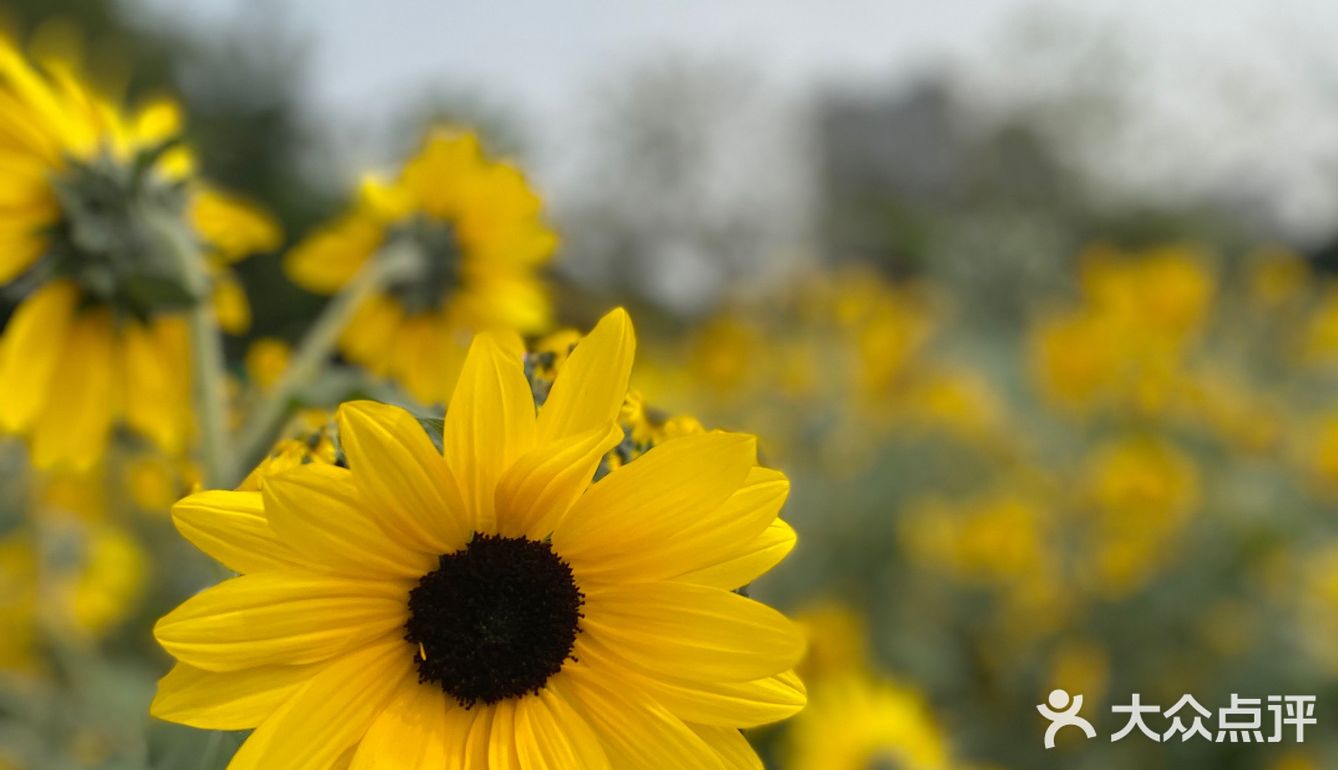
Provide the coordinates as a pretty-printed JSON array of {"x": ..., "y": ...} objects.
[
  {"x": 635, "y": 731},
  {"x": 490, "y": 423},
  {"x": 536, "y": 492},
  {"x": 157, "y": 389},
  {"x": 727, "y": 704},
  {"x": 479, "y": 742},
  {"x": 364, "y": 339},
  {"x": 749, "y": 562},
  {"x": 74, "y": 428},
  {"x": 400, "y": 473},
  {"x": 716, "y": 536},
  {"x": 317, "y": 511},
  {"x": 231, "y": 306},
  {"x": 732, "y": 747},
  {"x": 410, "y": 734},
  {"x": 550, "y": 735},
  {"x": 314, "y": 728},
  {"x": 628, "y": 522},
  {"x": 273, "y": 618},
  {"x": 691, "y": 632},
  {"x": 502, "y": 742},
  {"x": 18, "y": 251},
  {"x": 30, "y": 351},
  {"x": 459, "y": 725},
  {"x": 237, "y": 700},
  {"x": 231, "y": 527},
  {"x": 233, "y": 227},
  {"x": 333, "y": 255},
  {"x": 590, "y": 387}
]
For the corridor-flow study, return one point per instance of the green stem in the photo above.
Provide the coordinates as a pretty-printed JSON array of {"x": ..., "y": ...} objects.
[
  {"x": 208, "y": 369},
  {"x": 262, "y": 427},
  {"x": 207, "y": 381}
]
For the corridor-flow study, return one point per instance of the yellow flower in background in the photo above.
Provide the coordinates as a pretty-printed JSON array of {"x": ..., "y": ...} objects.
[
  {"x": 724, "y": 355},
  {"x": 18, "y": 605},
  {"x": 1295, "y": 760},
  {"x": 837, "y": 640},
  {"x": 1143, "y": 490},
  {"x": 1168, "y": 288},
  {"x": 95, "y": 230},
  {"x": 889, "y": 326},
  {"x": 231, "y": 229},
  {"x": 957, "y": 400},
  {"x": 1072, "y": 360},
  {"x": 1001, "y": 539},
  {"x": 1126, "y": 344},
  {"x": 1247, "y": 418},
  {"x": 1315, "y": 591},
  {"x": 475, "y": 231},
  {"x": 996, "y": 538},
  {"x": 856, "y": 723},
  {"x": 67, "y": 570},
  {"x": 485, "y": 604},
  {"x": 1321, "y": 333},
  {"x": 311, "y": 437},
  {"x": 102, "y": 584},
  {"x": 152, "y": 481},
  {"x": 1323, "y": 451},
  {"x": 93, "y": 571},
  {"x": 266, "y": 360}
]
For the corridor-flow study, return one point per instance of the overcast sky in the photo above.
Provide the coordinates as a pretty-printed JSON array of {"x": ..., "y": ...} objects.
[{"x": 1229, "y": 79}]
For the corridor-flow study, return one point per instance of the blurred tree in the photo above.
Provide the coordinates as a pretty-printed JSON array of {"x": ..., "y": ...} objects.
[{"x": 685, "y": 196}]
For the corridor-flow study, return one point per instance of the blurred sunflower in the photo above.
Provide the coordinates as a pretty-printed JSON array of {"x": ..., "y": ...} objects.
[
  {"x": 100, "y": 224},
  {"x": 1142, "y": 491},
  {"x": 1126, "y": 345},
  {"x": 474, "y": 232},
  {"x": 484, "y": 604},
  {"x": 858, "y": 723},
  {"x": 310, "y": 437}
]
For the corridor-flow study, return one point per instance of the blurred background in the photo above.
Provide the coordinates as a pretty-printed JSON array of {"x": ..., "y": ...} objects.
[{"x": 1035, "y": 302}]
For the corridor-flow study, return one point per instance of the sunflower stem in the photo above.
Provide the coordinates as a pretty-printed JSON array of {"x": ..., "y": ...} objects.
[
  {"x": 206, "y": 345},
  {"x": 207, "y": 380},
  {"x": 262, "y": 427}
]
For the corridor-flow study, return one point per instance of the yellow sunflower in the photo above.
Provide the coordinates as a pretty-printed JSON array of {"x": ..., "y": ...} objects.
[
  {"x": 857, "y": 722},
  {"x": 486, "y": 605},
  {"x": 96, "y": 209},
  {"x": 474, "y": 229}
]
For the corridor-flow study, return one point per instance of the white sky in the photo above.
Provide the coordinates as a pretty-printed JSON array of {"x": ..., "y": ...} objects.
[{"x": 1230, "y": 85}]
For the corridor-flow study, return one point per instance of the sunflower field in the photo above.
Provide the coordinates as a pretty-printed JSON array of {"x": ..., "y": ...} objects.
[{"x": 431, "y": 469}]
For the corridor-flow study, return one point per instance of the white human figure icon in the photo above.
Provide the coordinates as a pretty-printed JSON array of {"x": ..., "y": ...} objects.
[{"x": 1063, "y": 712}]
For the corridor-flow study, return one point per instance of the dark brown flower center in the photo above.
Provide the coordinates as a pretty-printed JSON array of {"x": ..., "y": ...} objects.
[{"x": 495, "y": 620}]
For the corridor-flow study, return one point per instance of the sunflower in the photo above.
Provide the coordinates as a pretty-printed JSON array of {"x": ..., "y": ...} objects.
[
  {"x": 96, "y": 210},
  {"x": 858, "y": 722},
  {"x": 486, "y": 604},
  {"x": 474, "y": 229}
]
